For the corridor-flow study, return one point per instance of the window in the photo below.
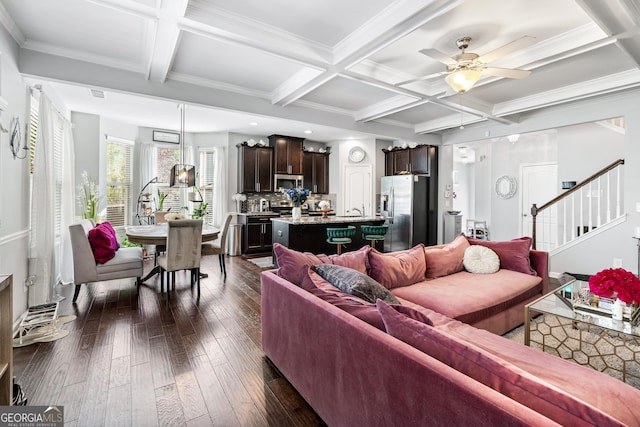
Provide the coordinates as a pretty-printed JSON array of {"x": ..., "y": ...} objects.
[
  {"x": 167, "y": 157},
  {"x": 118, "y": 181},
  {"x": 205, "y": 182}
]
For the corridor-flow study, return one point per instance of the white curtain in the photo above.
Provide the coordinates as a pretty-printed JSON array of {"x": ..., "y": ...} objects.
[
  {"x": 68, "y": 203},
  {"x": 219, "y": 186},
  {"x": 42, "y": 233}
]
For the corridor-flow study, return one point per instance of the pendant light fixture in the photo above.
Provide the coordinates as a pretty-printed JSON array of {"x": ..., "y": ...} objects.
[{"x": 182, "y": 175}]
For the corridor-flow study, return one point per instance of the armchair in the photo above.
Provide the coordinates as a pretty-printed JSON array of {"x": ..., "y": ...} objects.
[{"x": 126, "y": 263}]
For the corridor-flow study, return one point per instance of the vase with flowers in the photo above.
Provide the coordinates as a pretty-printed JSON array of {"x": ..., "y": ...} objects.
[
  {"x": 620, "y": 285},
  {"x": 298, "y": 196}
]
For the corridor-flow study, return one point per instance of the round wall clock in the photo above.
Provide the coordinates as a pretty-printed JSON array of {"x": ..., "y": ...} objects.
[{"x": 356, "y": 154}]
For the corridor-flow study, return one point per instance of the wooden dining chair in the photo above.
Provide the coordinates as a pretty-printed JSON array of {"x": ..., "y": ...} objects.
[
  {"x": 217, "y": 247},
  {"x": 184, "y": 242}
]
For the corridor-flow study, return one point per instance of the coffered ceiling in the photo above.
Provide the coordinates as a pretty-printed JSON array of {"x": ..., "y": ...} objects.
[{"x": 331, "y": 66}]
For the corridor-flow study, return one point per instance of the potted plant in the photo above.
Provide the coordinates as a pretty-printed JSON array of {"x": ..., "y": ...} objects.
[
  {"x": 200, "y": 211},
  {"x": 91, "y": 203}
]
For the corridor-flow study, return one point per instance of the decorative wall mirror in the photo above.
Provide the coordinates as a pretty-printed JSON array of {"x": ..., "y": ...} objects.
[{"x": 506, "y": 187}]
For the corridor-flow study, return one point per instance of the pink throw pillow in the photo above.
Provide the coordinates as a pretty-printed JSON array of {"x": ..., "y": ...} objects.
[
  {"x": 447, "y": 259},
  {"x": 357, "y": 307},
  {"x": 513, "y": 254},
  {"x": 291, "y": 262},
  {"x": 103, "y": 241},
  {"x": 397, "y": 269}
]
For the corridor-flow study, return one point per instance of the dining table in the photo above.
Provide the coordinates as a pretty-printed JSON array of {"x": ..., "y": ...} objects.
[{"x": 156, "y": 234}]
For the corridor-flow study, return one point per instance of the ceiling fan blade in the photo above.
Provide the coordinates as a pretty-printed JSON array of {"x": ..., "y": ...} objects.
[
  {"x": 427, "y": 77},
  {"x": 511, "y": 73},
  {"x": 438, "y": 56},
  {"x": 508, "y": 48}
]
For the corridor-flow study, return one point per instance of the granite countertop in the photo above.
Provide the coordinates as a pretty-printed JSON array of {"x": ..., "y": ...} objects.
[{"x": 305, "y": 220}]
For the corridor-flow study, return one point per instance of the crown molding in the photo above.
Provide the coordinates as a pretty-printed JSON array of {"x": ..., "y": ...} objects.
[
  {"x": 7, "y": 21},
  {"x": 199, "y": 81}
]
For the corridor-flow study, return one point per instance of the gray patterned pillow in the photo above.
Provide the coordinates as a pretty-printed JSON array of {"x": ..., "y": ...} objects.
[{"x": 354, "y": 283}]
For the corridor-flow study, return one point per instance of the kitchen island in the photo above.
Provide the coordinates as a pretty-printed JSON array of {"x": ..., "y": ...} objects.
[{"x": 309, "y": 234}]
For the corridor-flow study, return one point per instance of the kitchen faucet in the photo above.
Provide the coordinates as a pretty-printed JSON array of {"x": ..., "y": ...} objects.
[{"x": 361, "y": 212}]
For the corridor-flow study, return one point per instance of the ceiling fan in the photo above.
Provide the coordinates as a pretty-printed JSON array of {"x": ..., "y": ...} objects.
[{"x": 464, "y": 69}]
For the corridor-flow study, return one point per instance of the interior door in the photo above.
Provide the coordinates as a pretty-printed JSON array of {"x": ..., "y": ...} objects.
[
  {"x": 357, "y": 187},
  {"x": 539, "y": 185}
]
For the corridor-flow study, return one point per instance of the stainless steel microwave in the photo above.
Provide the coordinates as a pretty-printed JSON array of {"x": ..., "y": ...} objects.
[{"x": 288, "y": 181}]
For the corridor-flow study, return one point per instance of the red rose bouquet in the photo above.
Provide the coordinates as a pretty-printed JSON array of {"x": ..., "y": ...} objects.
[{"x": 616, "y": 283}]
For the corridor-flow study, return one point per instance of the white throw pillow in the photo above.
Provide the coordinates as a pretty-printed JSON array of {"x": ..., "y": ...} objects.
[{"x": 481, "y": 260}]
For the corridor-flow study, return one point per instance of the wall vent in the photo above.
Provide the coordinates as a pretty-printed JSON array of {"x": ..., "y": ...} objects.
[{"x": 96, "y": 93}]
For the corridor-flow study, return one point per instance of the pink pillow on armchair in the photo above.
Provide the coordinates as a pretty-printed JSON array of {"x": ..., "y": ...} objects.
[
  {"x": 513, "y": 254},
  {"x": 397, "y": 269},
  {"x": 103, "y": 241}
]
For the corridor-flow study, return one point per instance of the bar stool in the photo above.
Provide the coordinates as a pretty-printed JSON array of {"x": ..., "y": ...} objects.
[
  {"x": 340, "y": 236},
  {"x": 374, "y": 233}
]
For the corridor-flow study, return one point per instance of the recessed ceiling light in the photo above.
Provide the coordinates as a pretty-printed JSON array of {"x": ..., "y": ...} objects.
[
  {"x": 308, "y": 131},
  {"x": 253, "y": 124}
]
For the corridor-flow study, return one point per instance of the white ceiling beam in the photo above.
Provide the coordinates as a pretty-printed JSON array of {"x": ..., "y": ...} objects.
[
  {"x": 398, "y": 20},
  {"x": 447, "y": 122},
  {"x": 577, "y": 91},
  {"x": 618, "y": 20},
  {"x": 616, "y": 82},
  {"x": 128, "y": 7},
  {"x": 166, "y": 39},
  {"x": 221, "y": 25},
  {"x": 387, "y": 107}
]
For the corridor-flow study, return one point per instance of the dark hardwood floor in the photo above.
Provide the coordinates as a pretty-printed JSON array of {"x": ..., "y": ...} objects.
[{"x": 135, "y": 360}]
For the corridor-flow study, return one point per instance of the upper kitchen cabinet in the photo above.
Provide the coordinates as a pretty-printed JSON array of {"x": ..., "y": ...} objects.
[
  {"x": 288, "y": 154},
  {"x": 315, "y": 167},
  {"x": 255, "y": 169},
  {"x": 415, "y": 160}
]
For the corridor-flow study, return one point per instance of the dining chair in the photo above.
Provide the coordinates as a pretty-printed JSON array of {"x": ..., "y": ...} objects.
[
  {"x": 217, "y": 247},
  {"x": 184, "y": 242}
]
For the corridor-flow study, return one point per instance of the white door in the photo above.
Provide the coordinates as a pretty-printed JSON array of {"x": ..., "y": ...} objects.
[
  {"x": 540, "y": 185},
  {"x": 356, "y": 186}
]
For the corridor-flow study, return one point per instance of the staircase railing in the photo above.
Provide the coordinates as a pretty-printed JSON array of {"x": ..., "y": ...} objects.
[{"x": 586, "y": 206}]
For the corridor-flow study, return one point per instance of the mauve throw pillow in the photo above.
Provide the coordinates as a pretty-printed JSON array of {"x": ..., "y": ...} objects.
[
  {"x": 357, "y": 307},
  {"x": 397, "y": 269},
  {"x": 445, "y": 260},
  {"x": 291, "y": 262},
  {"x": 493, "y": 371},
  {"x": 355, "y": 283},
  {"x": 513, "y": 254},
  {"x": 103, "y": 241}
]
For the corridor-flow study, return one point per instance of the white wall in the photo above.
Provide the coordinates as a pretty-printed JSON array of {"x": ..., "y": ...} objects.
[
  {"x": 14, "y": 175},
  {"x": 598, "y": 252}
]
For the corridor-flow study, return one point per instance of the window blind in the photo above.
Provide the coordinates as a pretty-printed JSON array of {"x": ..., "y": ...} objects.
[{"x": 118, "y": 181}]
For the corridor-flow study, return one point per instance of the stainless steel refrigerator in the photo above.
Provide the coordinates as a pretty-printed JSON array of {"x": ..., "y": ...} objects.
[{"x": 409, "y": 204}]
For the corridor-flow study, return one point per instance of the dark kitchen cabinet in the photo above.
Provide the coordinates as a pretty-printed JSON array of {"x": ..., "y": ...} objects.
[
  {"x": 410, "y": 160},
  {"x": 255, "y": 169},
  {"x": 257, "y": 233},
  {"x": 288, "y": 154},
  {"x": 315, "y": 172}
]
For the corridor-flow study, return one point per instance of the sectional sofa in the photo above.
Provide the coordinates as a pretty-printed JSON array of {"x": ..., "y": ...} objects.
[{"x": 411, "y": 362}]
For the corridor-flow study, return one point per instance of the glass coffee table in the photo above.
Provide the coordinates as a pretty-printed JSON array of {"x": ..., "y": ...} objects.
[{"x": 586, "y": 335}]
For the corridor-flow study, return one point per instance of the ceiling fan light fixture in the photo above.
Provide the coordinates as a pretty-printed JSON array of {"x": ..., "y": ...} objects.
[{"x": 462, "y": 80}]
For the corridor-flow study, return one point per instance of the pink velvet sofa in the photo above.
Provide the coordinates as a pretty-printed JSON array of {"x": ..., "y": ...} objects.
[{"x": 359, "y": 363}]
